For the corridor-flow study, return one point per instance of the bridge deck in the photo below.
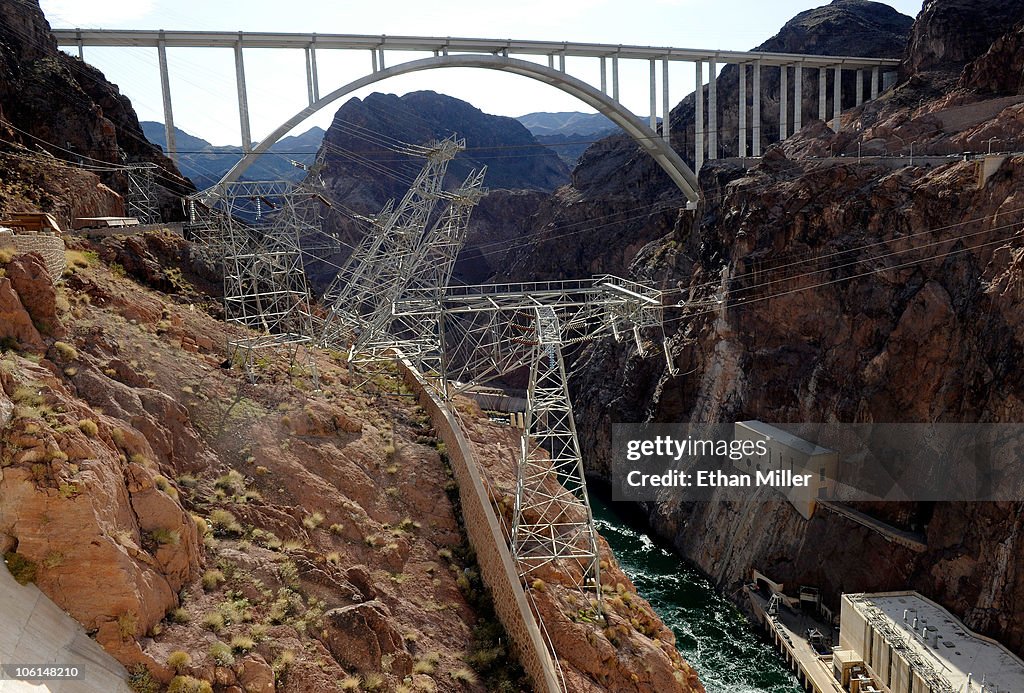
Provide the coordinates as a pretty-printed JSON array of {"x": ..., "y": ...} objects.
[{"x": 211, "y": 39}]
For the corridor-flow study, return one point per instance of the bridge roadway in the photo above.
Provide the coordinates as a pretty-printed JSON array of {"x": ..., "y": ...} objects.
[{"x": 498, "y": 54}]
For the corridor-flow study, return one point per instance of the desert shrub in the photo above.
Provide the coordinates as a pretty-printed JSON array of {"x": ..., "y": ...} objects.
[
  {"x": 89, "y": 427},
  {"x": 224, "y": 521},
  {"x": 242, "y": 644},
  {"x": 313, "y": 520},
  {"x": 213, "y": 622},
  {"x": 373, "y": 682},
  {"x": 188, "y": 684},
  {"x": 23, "y": 570},
  {"x": 179, "y": 660},
  {"x": 162, "y": 536},
  {"x": 66, "y": 351},
  {"x": 212, "y": 579},
  {"x": 463, "y": 675},
  {"x": 141, "y": 681},
  {"x": 221, "y": 654},
  {"x": 127, "y": 625}
]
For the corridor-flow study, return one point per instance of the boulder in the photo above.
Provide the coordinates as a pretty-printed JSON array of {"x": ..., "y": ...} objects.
[{"x": 360, "y": 635}]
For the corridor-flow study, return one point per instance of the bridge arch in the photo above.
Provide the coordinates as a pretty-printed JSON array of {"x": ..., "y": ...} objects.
[{"x": 650, "y": 141}]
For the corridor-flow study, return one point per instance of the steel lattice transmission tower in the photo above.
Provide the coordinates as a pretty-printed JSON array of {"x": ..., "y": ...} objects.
[
  {"x": 259, "y": 227},
  {"x": 495, "y": 329},
  {"x": 141, "y": 200},
  {"x": 360, "y": 297},
  {"x": 420, "y": 337}
]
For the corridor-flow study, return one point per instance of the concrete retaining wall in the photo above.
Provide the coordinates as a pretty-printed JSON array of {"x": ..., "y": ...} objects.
[
  {"x": 487, "y": 539},
  {"x": 50, "y": 247},
  {"x": 34, "y": 630}
]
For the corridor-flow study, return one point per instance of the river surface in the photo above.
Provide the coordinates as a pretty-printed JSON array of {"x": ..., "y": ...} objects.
[{"x": 711, "y": 633}]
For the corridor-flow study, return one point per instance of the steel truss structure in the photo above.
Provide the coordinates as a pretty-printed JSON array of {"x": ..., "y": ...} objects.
[
  {"x": 258, "y": 227},
  {"x": 398, "y": 253},
  {"x": 141, "y": 200},
  {"x": 487, "y": 331}
]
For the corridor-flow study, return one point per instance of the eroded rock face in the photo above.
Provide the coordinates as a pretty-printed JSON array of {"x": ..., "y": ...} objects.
[
  {"x": 999, "y": 70},
  {"x": 125, "y": 547},
  {"x": 360, "y": 635},
  {"x": 933, "y": 340},
  {"x": 15, "y": 322},
  {"x": 950, "y": 33},
  {"x": 68, "y": 104},
  {"x": 926, "y": 341},
  {"x": 35, "y": 288}
]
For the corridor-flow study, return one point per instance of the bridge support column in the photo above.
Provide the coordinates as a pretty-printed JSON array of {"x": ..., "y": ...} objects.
[
  {"x": 654, "y": 96},
  {"x": 741, "y": 145},
  {"x": 309, "y": 79},
  {"x": 380, "y": 58},
  {"x": 860, "y": 87},
  {"x": 165, "y": 90},
  {"x": 822, "y": 94},
  {"x": 373, "y": 59},
  {"x": 604, "y": 75},
  {"x": 798, "y": 97},
  {"x": 698, "y": 121},
  {"x": 837, "y": 98},
  {"x": 712, "y": 109},
  {"x": 666, "y": 105},
  {"x": 615, "y": 77},
  {"x": 243, "y": 100},
  {"x": 316, "y": 78},
  {"x": 561, "y": 62},
  {"x": 783, "y": 102},
  {"x": 755, "y": 116},
  {"x": 874, "y": 83}
]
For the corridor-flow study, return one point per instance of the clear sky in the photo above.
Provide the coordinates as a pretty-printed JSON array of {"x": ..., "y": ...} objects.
[{"x": 202, "y": 80}]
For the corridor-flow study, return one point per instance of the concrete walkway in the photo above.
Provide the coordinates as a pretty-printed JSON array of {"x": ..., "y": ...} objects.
[
  {"x": 914, "y": 542},
  {"x": 35, "y": 631}
]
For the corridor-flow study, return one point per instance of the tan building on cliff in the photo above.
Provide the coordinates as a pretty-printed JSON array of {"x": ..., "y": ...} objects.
[{"x": 786, "y": 452}]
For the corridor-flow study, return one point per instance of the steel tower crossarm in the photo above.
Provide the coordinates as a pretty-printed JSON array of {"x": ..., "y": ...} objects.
[
  {"x": 420, "y": 337},
  {"x": 359, "y": 298}
]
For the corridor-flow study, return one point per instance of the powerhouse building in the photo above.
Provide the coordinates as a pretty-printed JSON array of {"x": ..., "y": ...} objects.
[{"x": 902, "y": 642}]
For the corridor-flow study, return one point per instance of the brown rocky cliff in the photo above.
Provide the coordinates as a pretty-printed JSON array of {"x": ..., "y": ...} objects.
[
  {"x": 932, "y": 341},
  {"x": 948, "y": 34},
  {"x": 49, "y": 99},
  {"x": 265, "y": 535}
]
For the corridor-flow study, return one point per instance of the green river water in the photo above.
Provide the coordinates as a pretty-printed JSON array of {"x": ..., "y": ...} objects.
[{"x": 711, "y": 633}]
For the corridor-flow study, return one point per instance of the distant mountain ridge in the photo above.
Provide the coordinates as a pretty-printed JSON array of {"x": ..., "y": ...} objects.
[
  {"x": 566, "y": 123},
  {"x": 568, "y": 133},
  {"x": 206, "y": 163}
]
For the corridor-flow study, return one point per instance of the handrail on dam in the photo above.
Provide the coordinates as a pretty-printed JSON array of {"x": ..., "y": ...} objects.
[{"x": 485, "y": 536}]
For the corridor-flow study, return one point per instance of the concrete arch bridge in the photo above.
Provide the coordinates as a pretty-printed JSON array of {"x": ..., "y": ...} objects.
[{"x": 538, "y": 60}]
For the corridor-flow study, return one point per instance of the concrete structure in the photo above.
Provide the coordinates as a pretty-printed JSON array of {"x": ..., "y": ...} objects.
[
  {"x": 786, "y": 629},
  {"x": 104, "y": 222},
  {"x": 496, "y": 54},
  {"x": 51, "y": 247},
  {"x": 485, "y": 534},
  {"x": 32, "y": 222},
  {"x": 34, "y": 630},
  {"x": 907, "y": 643},
  {"x": 788, "y": 452}
]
